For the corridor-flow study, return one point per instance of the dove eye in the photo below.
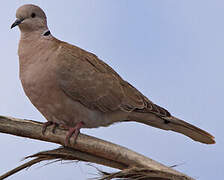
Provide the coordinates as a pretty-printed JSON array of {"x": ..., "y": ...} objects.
[{"x": 33, "y": 15}]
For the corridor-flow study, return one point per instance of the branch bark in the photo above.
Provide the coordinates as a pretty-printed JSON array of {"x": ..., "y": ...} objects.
[{"x": 91, "y": 149}]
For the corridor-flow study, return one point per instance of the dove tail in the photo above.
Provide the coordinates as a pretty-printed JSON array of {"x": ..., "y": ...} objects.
[{"x": 174, "y": 124}]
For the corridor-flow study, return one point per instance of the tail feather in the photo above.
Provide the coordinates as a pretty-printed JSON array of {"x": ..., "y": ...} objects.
[
  {"x": 174, "y": 124},
  {"x": 190, "y": 130}
]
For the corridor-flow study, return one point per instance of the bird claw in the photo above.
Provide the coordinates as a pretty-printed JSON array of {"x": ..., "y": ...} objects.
[
  {"x": 55, "y": 125},
  {"x": 74, "y": 130},
  {"x": 49, "y": 123}
]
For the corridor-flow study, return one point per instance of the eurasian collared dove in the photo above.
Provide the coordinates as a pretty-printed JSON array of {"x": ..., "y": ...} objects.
[{"x": 74, "y": 88}]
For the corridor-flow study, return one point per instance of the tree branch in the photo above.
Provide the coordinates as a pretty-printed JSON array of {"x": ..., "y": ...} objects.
[{"x": 89, "y": 149}]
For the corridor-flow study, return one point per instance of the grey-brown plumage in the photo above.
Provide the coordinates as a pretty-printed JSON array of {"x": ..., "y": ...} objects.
[{"x": 74, "y": 88}]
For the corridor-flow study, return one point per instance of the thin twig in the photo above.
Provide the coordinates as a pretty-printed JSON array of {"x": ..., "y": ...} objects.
[{"x": 23, "y": 166}]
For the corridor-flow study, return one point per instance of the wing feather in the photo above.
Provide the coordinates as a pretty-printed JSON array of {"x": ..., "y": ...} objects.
[{"x": 87, "y": 79}]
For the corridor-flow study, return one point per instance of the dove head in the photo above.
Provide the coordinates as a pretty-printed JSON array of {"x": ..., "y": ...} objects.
[{"x": 30, "y": 18}]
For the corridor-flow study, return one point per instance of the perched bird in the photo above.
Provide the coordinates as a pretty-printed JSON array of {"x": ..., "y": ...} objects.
[{"x": 74, "y": 88}]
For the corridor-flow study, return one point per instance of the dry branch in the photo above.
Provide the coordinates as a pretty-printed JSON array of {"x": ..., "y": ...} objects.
[{"x": 91, "y": 149}]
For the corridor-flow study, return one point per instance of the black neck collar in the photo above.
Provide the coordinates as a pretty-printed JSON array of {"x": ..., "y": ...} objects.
[{"x": 46, "y": 33}]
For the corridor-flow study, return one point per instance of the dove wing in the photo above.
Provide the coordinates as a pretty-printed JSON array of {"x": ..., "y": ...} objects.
[{"x": 87, "y": 79}]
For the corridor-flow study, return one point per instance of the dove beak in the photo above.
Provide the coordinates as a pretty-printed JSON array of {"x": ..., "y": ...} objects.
[{"x": 16, "y": 23}]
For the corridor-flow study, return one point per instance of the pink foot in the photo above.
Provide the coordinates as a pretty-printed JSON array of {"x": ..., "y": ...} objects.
[
  {"x": 74, "y": 130},
  {"x": 55, "y": 125},
  {"x": 49, "y": 123}
]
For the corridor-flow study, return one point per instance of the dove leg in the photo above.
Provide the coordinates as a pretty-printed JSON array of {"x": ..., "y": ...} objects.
[
  {"x": 55, "y": 125},
  {"x": 49, "y": 123},
  {"x": 74, "y": 130}
]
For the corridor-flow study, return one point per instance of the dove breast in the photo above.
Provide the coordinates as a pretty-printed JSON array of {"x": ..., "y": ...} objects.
[{"x": 37, "y": 74}]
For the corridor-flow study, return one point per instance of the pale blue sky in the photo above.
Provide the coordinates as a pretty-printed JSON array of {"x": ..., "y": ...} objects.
[{"x": 171, "y": 50}]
